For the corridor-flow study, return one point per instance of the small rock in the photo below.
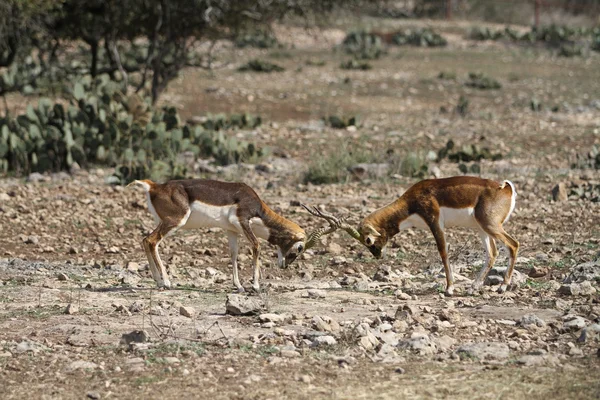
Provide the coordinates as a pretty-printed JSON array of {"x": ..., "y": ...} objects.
[
  {"x": 81, "y": 365},
  {"x": 420, "y": 343},
  {"x": 61, "y": 276},
  {"x": 133, "y": 266},
  {"x": 289, "y": 354},
  {"x": 35, "y": 177},
  {"x": 187, "y": 311},
  {"x": 26, "y": 346},
  {"x": 589, "y": 332},
  {"x": 276, "y": 318},
  {"x": 113, "y": 250},
  {"x": 532, "y": 320},
  {"x": 538, "y": 272},
  {"x": 559, "y": 193},
  {"x": 138, "y": 336},
  {"x": 241, "y": 305},
  {"x": 315, "y": 294},
  {"x": 172, "y": 360},
  {"x": 484, "y": 351},
  {"x": 575, "y": 351},
  {"x": 577, "y": 289},
  {"x": 72, "y": 309},
  {"x": 136, "y": 307},
  {"x": 400, "y": 370},
  {"x": 32, "y": 240},
  {"x": 325, "y": 340},
  {"x": 573, "y": 323},
  {"x": 93, "y": 395}
]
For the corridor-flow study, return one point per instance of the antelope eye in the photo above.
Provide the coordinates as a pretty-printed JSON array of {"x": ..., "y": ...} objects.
[{"x": 369, "y": 241}]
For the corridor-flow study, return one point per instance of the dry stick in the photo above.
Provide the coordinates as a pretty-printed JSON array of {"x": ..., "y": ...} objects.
[
  {"x": 40, "y": 295},
  {"x": 79, "y": 297}
]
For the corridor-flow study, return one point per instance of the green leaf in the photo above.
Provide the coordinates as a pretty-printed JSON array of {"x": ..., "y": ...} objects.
[
  {"x": 78, "y": 91},
  {"x": 31, "y": 114},
  {"x": 129, "y": 155},
  {"x": 100, "y": 153}
]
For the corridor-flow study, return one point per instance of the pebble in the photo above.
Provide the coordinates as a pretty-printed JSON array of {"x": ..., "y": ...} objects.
[
  {"x": 325, "y": 340},
  {"x": 187, "y": 311}
]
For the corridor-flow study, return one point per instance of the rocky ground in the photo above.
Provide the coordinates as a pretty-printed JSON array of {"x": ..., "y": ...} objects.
[{"x": 79, "y": 314}]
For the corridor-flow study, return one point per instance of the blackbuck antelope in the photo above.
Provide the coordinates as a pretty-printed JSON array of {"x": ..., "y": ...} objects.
[
  {"x": 233, "y": 207},
  {"x": 436, "y": 204}
]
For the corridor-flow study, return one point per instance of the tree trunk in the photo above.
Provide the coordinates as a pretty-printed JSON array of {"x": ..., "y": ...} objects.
[{"x": 94, "y": 49}]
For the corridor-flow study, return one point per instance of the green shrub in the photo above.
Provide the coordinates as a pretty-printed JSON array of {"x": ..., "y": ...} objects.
[
  {"x": 261, "y": 66},
  {"x": 363, "y": 45},
  {"x": 339, "y": 122},
  {"x": 480, "y": 81},
  {"x": 570, "y": 50},
  {"x": 104, "y": 127},
  {"x": 590, "y": 159},
  {"x": 412, "y": 164},
  {"x": 424, "y": 37},
  {"x": 258, "y": 39},
  {"x": 335, "y": 167},
  {"x": 447, "y": 76},
  {"x": 466, "y": 153},
  {"x": 356, "y": 65},
  {"x": 462, "y": 108}
]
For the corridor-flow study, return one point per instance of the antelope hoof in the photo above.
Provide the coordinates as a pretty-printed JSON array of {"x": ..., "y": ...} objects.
[
  {"x": 474, "y": 289},
  {"x": 166, "y": 284},
  {"x": 240, "y": 289},
  {"x": 502, "y": 288},
  {"x": 449, "y": 291},
  {"x": 256, "y": 288}
]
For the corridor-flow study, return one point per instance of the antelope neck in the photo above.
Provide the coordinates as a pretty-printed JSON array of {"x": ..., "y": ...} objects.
[
  {"x": 282, "y": 231},
  {"x": 389, "y": 217}
]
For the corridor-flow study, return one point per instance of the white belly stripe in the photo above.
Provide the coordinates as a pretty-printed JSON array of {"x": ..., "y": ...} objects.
[
  {"x": 449, "y": 217},
  {"x": 207, "y": 216},
  {"x": 464, "y": 217}
]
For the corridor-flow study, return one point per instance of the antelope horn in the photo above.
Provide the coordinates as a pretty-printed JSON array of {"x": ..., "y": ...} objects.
[{"x": 334, "y": 223}]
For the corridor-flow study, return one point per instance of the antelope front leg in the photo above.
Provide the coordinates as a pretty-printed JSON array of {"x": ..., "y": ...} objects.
[
  {"x": 255, "y": 254},
  {"x": 157, "y": 269},
  {"x": 233, "y": 252}
]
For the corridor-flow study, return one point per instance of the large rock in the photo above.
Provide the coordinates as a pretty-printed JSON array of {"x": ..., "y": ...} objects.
[
  {"x": 420, "y": 343},
  {"x": 484, "y": 351},
  {"x": 81, "y": 365},
  {"x": 573, "y": 323},
  {"x": 532, "y": 321},
  {"x": 589, "y": 332},
  {"x": 241, "y": 305},
  {"x": 325, "y": 340},
  {"x": 589, "y": 271},
  {"x": 577, "y": 289}
]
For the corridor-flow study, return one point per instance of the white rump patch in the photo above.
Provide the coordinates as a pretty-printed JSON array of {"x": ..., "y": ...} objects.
[{"x": 513, "y": 200}]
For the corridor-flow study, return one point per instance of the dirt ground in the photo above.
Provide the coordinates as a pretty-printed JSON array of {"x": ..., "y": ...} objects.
[{"x": 74, "y": 278}]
